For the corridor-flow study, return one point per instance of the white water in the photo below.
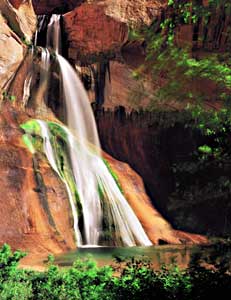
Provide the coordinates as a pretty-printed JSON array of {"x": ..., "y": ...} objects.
[
  {"x": 54, "y": 34},
  {"x": 89, "y": 171},
  {"x": 44, "y": 73},
  {"x": 48, "y": 150},
  {"x": 26, "y": 89},
  {"x": 44, "y": 68},
  {"x": 88, "y": 168},
  {"x": 42, "y": 91}
]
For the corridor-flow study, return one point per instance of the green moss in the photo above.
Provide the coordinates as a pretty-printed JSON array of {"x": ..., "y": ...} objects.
[
  {"x": 7, "y": 97},
  {"x": 114, "y": 175},
  {"x": 57, "y": 130},
  {"x": 58, "y": 139},
  {"x": 28, "y": 142},
  {"x": 31, "y": 127},
  {"x": 101, "y": 191}
]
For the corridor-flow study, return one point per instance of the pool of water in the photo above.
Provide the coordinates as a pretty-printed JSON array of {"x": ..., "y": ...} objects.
[{"x": 182, "y": 255}]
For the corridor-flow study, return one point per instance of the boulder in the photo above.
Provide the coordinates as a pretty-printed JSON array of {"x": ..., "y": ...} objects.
[{"x": 91, "y": 32}]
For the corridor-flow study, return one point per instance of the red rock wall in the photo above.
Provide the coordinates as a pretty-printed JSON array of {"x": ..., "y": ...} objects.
[
  {"x": 90, "y": 31},
  {"x": 34, "y": 208},
  {"x": 152, "y": 148},
  {"x": 16, "y": 3}
]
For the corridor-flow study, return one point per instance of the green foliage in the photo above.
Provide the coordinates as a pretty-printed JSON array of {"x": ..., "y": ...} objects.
[
  {"x": 31, "y": 127},
  {"x": 27, "y": 42},
  {"x": 114, "y": 175},
  {"x": 57, "y": 130},
  {"x": 28, "y": 141},
  {"x": 8, "y": 97},
  {"x": 130, "y": 279},
  {"x": 58, "y": 139},
  {"x": 14, "y": 283},
  {"x": 180, "y": 69},
  {"x": 203, "y": 180}
]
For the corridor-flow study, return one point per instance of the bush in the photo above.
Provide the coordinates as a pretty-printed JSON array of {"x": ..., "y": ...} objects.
[{"x": 130, "y": 279}]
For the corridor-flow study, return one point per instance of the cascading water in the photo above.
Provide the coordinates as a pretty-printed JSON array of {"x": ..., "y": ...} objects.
[
  {"x": 98, "y": 192},
  {"x": 48, "y": 150},
  {"x": 44, "y": 77},
  {"x": 42, "y": 89},
  {"x": 54, "y": 34}
]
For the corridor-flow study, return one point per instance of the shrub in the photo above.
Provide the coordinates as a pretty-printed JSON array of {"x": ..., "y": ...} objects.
[{"x": 131, "y": 278}]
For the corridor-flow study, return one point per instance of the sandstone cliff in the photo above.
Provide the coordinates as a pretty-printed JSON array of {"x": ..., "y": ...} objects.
[
  {"x": 17, "y": 26},
  {"x": 35, "y": 211}
]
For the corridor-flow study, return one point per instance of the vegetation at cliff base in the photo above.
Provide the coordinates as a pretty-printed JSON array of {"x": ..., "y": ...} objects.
[{"x": 128, "y": 279}]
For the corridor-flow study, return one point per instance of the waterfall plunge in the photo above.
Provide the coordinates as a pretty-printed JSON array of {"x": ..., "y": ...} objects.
[{"x": 89, "y": 170}]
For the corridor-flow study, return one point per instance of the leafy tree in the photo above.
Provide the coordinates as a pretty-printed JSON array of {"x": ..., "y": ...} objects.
[{"x": 174, "y": 66}]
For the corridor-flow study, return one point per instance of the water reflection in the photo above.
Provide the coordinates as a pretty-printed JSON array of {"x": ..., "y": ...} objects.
[{"x": 215, "y": 256}]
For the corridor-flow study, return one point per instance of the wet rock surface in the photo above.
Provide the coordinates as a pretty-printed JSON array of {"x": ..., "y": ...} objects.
[{"x": 35, "y": 211}]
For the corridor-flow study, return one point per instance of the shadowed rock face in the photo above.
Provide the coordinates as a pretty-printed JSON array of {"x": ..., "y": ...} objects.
[
  {"x": 156, "y": 227},
  {"x": 46, "y": 7},
  {"x": 152, "y": 147}
]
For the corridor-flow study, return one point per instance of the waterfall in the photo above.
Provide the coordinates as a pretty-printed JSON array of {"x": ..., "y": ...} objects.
[
  {"x": 98, "y": 191},
  {"x": 80, "y": 120},
  {"x": 48, "y": 150},
  {"x": 44, "y": 76},
  {"x": 54, "y": 34},
  {"x": 42, "y": 90}
]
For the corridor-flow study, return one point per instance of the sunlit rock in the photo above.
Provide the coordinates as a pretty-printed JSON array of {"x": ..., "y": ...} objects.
[
  {"x": 9, "y": 60},
  {"x": 91, "y": 32},
  {"x": 35, "y": 214},
  {"x": 17, "y": 26},
  {"x": 21, "y": 18}
]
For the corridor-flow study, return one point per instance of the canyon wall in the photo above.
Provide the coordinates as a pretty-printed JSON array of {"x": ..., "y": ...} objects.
[
  {"x": 96, "y": 34},
  {"x": 35, "y": 210},
  {"x": 153, "y": 144},
  {"x": 17, "y": 26}
]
